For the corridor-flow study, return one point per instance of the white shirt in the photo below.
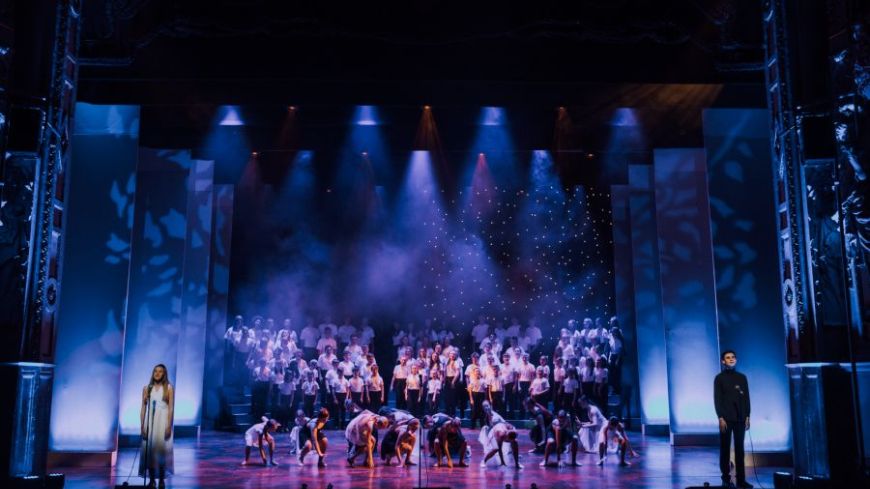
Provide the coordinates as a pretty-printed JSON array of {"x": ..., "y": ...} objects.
[
  {"x": 512, "y": 330},
  {"x": 539, "y": 385},
  {"x": 401, "y": 372},
  {"x": 324, "y": 361},
  {"x": 309, "y": 336},
  {"x": 600, "y": 375},
  {"x": 322, "y": 343},
  {"x": 534, "y": 334},
  {"x": 480, "y": 332},
  {"x": 526, "y": 371},
  {"x": 345, "y": 331},
  {"x": 357, "y": 384},
  {"x": 559, "y": 374},
  {"x": 433, "y": 387},
  {"x": 376, "y": 384},
  {"x": 414, "y": 382},
  {"x": 366, "y": 335},
  {"x": 570, "y": 385},
  {"x": 345, "y": 368},
  {"x": 309, "y": 388},
  {"x": 340, "y": 385}
]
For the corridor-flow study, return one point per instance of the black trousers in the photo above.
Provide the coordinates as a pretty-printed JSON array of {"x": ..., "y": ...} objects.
[
  {"x": 738, "y": 429},
  {"x": 374, "y": 401},
  {"x": 477, "y": 409},
  {"x": 400, "y": 394},
  {"x": 340, "y": 413},
  {"x": 414, "y": 405},
  {"x": 510, "y": 401},
  {"x": 449, "y": 397},
  {"x": 498, "y": 403},
  {"x": 524, "y": 393}
]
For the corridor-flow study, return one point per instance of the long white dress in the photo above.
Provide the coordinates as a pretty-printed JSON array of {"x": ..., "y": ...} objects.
[
  {"x": 589, "y": 435},
  {"x": 160, "y": 449}
]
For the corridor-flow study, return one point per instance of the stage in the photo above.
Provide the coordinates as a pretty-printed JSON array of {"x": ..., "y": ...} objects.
[{"x": 214, "y": 460}]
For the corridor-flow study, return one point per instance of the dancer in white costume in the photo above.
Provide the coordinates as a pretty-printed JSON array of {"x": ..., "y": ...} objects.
[
  {"x": 494, "y": 435},
  {"x": 360, "y": 437},
  {"x": 590, "y": 430},
  {"x": 155, "y": 418}
]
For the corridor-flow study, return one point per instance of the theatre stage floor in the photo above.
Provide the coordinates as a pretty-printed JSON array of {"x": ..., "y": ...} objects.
[{"x": 213, "y": 461}]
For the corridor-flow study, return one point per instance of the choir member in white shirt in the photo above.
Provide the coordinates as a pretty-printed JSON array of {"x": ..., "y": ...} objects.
[
  {"x": 540, "y": 388},
  {"x": 433, "y": 391},
  {"x": 366, "y": 333},
  {"x": 414, "y": 391},
  {"x": 559, "y": 374},
  {"x": 345, "y": 331},
  {"x": 346, "y": 366},
  {"x": 533, "y": 333},
  {"x": 452, "y": 382},
  {"x": 357, "y": 388},
  {"x": 309, "y": 336},
  {"x": 526, "y": 373},
  {"x": 509, "y": 381},
  {"x": 600, "y": 383},
  {"x": 327, "y": 323},
  {"x": 375, "y": 394},
  {"x": 354, "y": 348},
  {"x": 496, "y": 389},
  {"x": 326, "y": 340},
  {"x": 569, "y": 390},
  {"x": 480, "y": 330},
  {"x": 398, "y": 381},
  {"x": 339, "y": 390},
  {"x": 310, "y": 387}
]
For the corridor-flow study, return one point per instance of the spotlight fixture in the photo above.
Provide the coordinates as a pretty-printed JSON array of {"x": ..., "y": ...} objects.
[
  {"x": 254, "y": 154},
  {"x": 365, "y": 154},
  {"x": 427, "y": 107},
  {"x": 589, "y": 156},
  {"x": 291, "y": 108}
]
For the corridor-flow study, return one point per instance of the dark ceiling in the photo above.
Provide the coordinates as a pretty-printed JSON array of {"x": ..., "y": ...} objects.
[{"x": 327, "y": 52}]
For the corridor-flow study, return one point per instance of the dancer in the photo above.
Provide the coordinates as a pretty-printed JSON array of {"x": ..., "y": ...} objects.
[
  {"x": 543, "y": 417},
  {"x": 360, "y": 436},
  {"x": 155, "y": 420},
  {"x": 614, "y": 432},
  {"x": 259, "y": 434},
  {"x": 311, "y": 437},
  {"x": 561, "y": 435},
  {"x": 449, "y": 438},
  {"x": 298, "y": 425},
  {"x": 400, "y": 442},
  {"x": 589, "y": 430},
  {"x": 503, "y": 432}
]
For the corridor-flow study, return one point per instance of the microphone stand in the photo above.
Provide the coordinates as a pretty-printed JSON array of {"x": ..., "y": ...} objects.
[{"x": 148, "y": 433}]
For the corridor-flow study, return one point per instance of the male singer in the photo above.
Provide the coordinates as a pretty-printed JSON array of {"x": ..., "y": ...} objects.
[{"x": 731, "y": 395}]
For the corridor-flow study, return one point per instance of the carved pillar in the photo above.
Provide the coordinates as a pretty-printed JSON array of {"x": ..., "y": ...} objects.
[
  {"x": 41, "y": 96},
  {"x": 817, "y": 156}
]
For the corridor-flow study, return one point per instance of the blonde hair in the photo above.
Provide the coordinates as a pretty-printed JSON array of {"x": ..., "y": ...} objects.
[{"x": 163, "y": 383}]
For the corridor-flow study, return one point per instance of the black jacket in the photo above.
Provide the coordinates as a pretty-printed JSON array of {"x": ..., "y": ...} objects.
[{"x": 731, "y": 396}]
